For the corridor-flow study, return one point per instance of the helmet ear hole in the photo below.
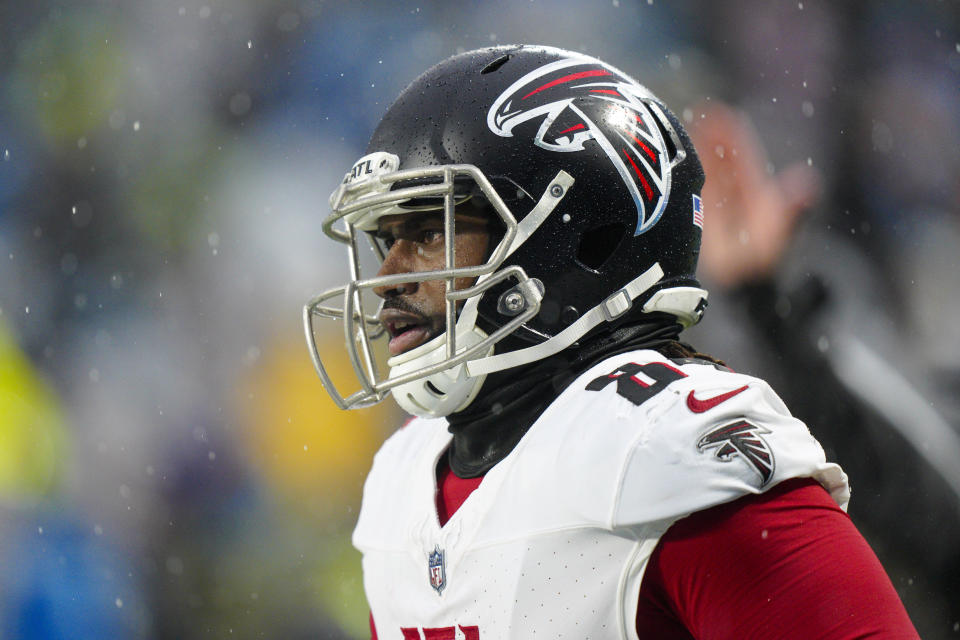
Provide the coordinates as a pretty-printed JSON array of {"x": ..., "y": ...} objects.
[
  {"x": 674, "y": 146},
  {"x": 598, "y": 244},
  {"x": 668, "y": 140}
]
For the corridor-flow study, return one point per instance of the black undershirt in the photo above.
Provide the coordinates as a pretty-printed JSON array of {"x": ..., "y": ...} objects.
[{"x": 510, "y": 401}]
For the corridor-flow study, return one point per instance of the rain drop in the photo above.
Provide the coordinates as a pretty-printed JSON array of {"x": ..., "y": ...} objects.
[{"x": 81, "y": 213}]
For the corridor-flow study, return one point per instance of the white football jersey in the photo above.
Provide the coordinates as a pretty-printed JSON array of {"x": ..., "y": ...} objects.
[{"x": 554, "y": 541}]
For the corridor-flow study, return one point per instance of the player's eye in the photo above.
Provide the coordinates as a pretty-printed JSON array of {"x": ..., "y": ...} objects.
[{"x": 430, "y": 236}]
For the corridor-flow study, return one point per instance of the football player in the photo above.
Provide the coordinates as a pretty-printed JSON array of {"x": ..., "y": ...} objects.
[{"x": 572, "y": 468}]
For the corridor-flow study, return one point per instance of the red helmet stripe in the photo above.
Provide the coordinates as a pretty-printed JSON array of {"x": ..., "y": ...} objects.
[
  {"x": 643, "y": 181},
  {"x": 646, "y": 149},
  {"x": 569, "y": 78},
  {"x": 573, "y": 128}
]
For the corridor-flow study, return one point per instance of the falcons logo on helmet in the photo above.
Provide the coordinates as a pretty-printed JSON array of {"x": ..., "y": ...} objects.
[
  {"x": 583, "y": 99},
  {"x": 741, "y": 438}
]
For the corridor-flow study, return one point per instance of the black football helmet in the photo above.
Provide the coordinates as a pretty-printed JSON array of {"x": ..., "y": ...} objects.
[{"x": 595, "y": 185}]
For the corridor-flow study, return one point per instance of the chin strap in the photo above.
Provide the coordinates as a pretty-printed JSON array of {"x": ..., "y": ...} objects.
[{"x": 608, "y": 310}]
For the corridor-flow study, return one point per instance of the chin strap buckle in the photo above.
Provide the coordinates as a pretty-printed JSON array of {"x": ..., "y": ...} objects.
[
  {"x": 616, "y": 305},
  {"x": 686, "y": 303}
]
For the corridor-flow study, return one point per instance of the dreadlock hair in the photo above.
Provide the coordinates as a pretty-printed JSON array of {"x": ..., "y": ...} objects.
[{"x": 677, "y": 349}]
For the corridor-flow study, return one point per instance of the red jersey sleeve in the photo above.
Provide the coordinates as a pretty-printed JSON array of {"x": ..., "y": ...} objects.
[{"x": 786, "y": 564}]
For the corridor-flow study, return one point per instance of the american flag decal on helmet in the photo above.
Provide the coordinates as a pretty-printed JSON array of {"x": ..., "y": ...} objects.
[
  {"x": 698, "y": 211},
  {"x": 744, "y": 440}
]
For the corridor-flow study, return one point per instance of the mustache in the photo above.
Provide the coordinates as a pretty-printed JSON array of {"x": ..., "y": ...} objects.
[
  {"x": 436, "y": 322},
  {"x": 400, "y": 304}
]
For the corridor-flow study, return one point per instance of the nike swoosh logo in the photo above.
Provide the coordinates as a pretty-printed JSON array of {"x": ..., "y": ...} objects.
[{"x": 699, "y": 406}]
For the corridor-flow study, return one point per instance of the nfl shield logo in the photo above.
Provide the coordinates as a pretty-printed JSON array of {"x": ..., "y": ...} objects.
[{"x": 438, "y": 573}]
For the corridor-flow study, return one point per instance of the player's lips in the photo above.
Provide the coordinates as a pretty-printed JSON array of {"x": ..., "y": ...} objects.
[{"x": 407, "y": 330}]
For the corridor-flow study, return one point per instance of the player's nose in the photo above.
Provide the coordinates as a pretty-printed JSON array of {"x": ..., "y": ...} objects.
[{"x": 397, "y": 261}]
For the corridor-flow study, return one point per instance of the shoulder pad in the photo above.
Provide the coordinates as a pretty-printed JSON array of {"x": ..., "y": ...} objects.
[{"x": 700, "y": 435}]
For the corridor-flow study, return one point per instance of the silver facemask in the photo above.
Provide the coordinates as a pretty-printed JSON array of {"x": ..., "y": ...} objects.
[{"x": 445, "y": 374}]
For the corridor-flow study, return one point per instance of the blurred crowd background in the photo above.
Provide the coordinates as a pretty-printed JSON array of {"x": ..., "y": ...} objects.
[{"x": 170, "y": 466}]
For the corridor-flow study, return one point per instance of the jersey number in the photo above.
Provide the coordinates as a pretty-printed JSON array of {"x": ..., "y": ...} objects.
[
  {"x": 441, "y": 633},
  {"x": 636, "y": 389}
]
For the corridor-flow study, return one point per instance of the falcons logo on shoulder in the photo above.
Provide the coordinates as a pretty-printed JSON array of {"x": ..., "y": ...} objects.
[
  {"x": 743, "y": 439},
  {"x": 580, "y": 100}
]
